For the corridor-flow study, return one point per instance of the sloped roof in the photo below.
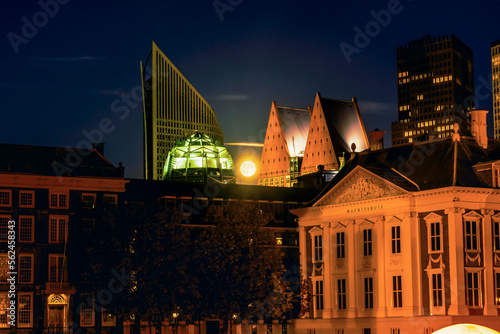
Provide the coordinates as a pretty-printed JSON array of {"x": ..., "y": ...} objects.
[
  {"x": 345, "y": 124},
  {"x": 295, "y": 124},
  {"x": 55, "y": 161},
  {"x": 424, "y": 165}
]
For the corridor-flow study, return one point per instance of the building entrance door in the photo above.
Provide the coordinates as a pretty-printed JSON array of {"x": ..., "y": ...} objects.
[{"x": 56, "y": 316}]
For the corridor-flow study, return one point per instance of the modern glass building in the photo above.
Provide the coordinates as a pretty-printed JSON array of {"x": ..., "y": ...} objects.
[
  {"x": 495, "y": 79},
  {"x": 199, "y": 158},
  {"x": 435, "y": 88},
  {"x": 173, "y": 110}
]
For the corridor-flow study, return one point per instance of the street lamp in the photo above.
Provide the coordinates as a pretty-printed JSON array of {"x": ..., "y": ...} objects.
[{"x": 175, "y": 315}]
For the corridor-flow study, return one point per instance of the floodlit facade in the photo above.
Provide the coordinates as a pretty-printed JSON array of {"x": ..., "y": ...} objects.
[
  {"x": 435, "y": 78},
  {"x": 173, "y": 110},
  {"x": 199, "y": 158},
  {"x": 53, "y": 215},
  {"x": 298, "y": 141},
  {"x": 405, "y": 240},
  {"x": 495, "y": 80}
]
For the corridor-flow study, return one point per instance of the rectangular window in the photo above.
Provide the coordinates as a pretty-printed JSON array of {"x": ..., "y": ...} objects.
[
  {"x": 87, "y": 310},
  {"x": 88, "y": 201},
  {"x": 435, "y": 236},
  {"x": 496, "y": 236},
  {"x": 25, "y": 311},
  {"x": 4, "y": 302},
  {"x": 25, "y": 268},
  {"x": 57, "y": 272},
  {"x": 473, "y": 286},
  {"x": 397, "y": 291},
  {"x": 58, "y": 230},
  {"x": 318, "y": 248},
  {"x": 396, "y": 239},
  {"x": 58, "y": 201},
  {"x": 110, "y": 199},
  {"x": 368, "y": 292},
  {"x": 4, "y": 268},
  {"x": 108, "y": 317},
  {"x": 4, "y": 227},
  {"x": 341, "y": 294},
  {"x": 26, "y": 229},
  {"x": 340, "y": 245},
  {"x": 471, "y": 236},
  {"x": 367, "y": 242},
  {"x": 437, "y": 290},
  {"x": 497, "y": 288},
  {"x": 319, "y": 295},
  {"x": 395, "y": 331},
  {"x": 26, "y": 199},
  {"x": 5, "y": 198}
]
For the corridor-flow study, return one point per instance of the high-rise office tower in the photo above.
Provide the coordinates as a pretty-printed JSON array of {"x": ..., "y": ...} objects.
[
  {"x": 173, "y": 110},
  {"x": 495, "y": 81},
  {"x": 435, "y": 88}
]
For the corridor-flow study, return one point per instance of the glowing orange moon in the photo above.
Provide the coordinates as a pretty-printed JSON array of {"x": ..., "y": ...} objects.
[{"x": 248, "y": 168}]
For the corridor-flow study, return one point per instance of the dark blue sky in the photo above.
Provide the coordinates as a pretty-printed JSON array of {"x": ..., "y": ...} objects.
[{"x": 66, "y": 74}]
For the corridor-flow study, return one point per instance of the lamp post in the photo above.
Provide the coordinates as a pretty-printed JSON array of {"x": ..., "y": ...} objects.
[
  {"x": 157, "y": 320},
  {"x": 175, "y": 315}
]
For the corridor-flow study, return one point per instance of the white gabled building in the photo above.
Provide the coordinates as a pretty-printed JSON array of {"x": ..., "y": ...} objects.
[{"x": 405, "y": 240}]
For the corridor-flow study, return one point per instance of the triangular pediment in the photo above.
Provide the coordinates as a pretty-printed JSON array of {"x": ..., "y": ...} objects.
[
  {"x": 472, "y": 215},
  {"x": 315, "y": 230},
  {"x": 360, "y": 185},
  {"x": 433, "y": 216},
  {"x": 394, "y": 220}
]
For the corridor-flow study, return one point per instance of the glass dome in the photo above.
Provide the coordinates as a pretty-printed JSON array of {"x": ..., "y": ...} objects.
[{"x": 199, "y": 158}]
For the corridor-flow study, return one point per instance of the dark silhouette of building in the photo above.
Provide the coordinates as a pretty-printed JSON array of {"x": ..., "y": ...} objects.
[{"x": 435, "y": 88}]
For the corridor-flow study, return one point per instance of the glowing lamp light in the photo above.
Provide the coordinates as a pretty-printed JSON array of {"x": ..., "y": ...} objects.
[
  {"x": 248, "y": 168},
  {"x": 466, "y": 328}
]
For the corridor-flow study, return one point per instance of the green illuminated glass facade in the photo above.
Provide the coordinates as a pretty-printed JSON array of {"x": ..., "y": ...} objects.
[{"x": 199, "y": 158}]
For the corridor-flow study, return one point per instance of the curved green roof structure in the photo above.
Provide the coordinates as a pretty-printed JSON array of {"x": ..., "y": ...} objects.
[{"x": 199, "y": 158}]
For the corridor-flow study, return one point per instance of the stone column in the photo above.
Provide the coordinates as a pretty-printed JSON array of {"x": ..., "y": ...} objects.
[
  {"x": 352, "y": 277},
  {"x": 457, "y": 270},
  {"x": 328, "y": 259},
  {"x": 381, "y": 294},
  {"x": 489, "y": 274}
]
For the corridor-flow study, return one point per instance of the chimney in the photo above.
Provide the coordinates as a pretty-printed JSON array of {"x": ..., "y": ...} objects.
[
  {"x": 478, "y": 127},
  {"x": 376, "y": 139}
]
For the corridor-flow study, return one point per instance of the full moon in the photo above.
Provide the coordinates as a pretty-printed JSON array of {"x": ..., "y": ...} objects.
[{"x": 248, "y": 168}]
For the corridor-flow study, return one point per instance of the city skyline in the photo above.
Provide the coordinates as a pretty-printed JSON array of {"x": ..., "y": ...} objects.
[{"x": 79, "y": 64}]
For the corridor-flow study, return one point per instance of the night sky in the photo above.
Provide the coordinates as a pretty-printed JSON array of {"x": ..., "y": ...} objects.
[{"x": 64, "y": 78}]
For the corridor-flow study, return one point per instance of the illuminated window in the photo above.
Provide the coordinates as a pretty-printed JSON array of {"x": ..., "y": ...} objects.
[
  {"x": 87, "y": 310},
  {"x": 471, "y": 235},
  {"x": 341, "y": 294},
  {"x": 26, "y": 199},
  {"x": 368, "y": 292},
  {"x": 396, "y": 239},
  {"x": 4, "y": 303},
  {"x": 25, "y": 268},
  {"x": 496, "y": 235},
  {"x": 57, "y": 270},
  {"x": 437, "y": 290},
  {"x": 26, "y": 228},
  {"x": 318, "y": 295},
  {"x": 57, "y": 229},
  {"x": 318, "y": 248},
  {"x": 4, "y": 268},
  {"x": 25, "y": 311},
  {"x": 497, "y": 288},
  {"x": 4, "y": 227},
  {"x": 110, "y": 199},
  {"x": 5, "y": 198},
  {"x": 58, "y": 201},
  {"x": 397, "y": 292},
  {"x": 88, "y": 201},
  {"x": 279, "y": 239},
  {"x": 340, "y": 245},
  {"x": 367, "y": 242},
  {"x": 473, "y": 289}
]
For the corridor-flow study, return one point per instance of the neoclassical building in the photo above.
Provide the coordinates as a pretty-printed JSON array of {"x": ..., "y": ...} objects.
[{"x": 406, "y": 239}]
